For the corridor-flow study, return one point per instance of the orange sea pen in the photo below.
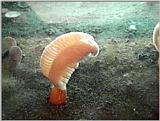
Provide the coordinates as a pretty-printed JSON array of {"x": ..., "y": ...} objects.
[
  {"x": 156, "y": 41},
  {"x": 60, "y": 59},
  {"x": 156, "y": 37}
]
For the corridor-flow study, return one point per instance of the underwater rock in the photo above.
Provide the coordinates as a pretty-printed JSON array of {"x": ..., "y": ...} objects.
[
  {"x": 12, "y": 14},
  {"x": 7, "y": 42}
]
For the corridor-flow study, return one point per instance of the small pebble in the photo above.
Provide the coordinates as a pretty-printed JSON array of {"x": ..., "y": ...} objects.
[
  {"x": 48, "y": 39},
  {"x": 132, "y": 44},
  {"x": 125, "y": 75},
  {"x": 132, "y": 28},
  {"x": 129, "y": 83}
]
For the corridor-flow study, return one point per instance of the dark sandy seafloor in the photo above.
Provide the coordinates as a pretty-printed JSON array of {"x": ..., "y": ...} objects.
[{"x": 120, "y": 83}]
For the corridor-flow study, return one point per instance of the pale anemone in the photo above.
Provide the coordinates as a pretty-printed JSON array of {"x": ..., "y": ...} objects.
[{"x": 7, "y": 42}]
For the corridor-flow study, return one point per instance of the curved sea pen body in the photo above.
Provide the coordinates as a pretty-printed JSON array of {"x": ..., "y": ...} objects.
[
  {"x": 60, "y": 59},
  {"x": 156, "y": 41}
]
